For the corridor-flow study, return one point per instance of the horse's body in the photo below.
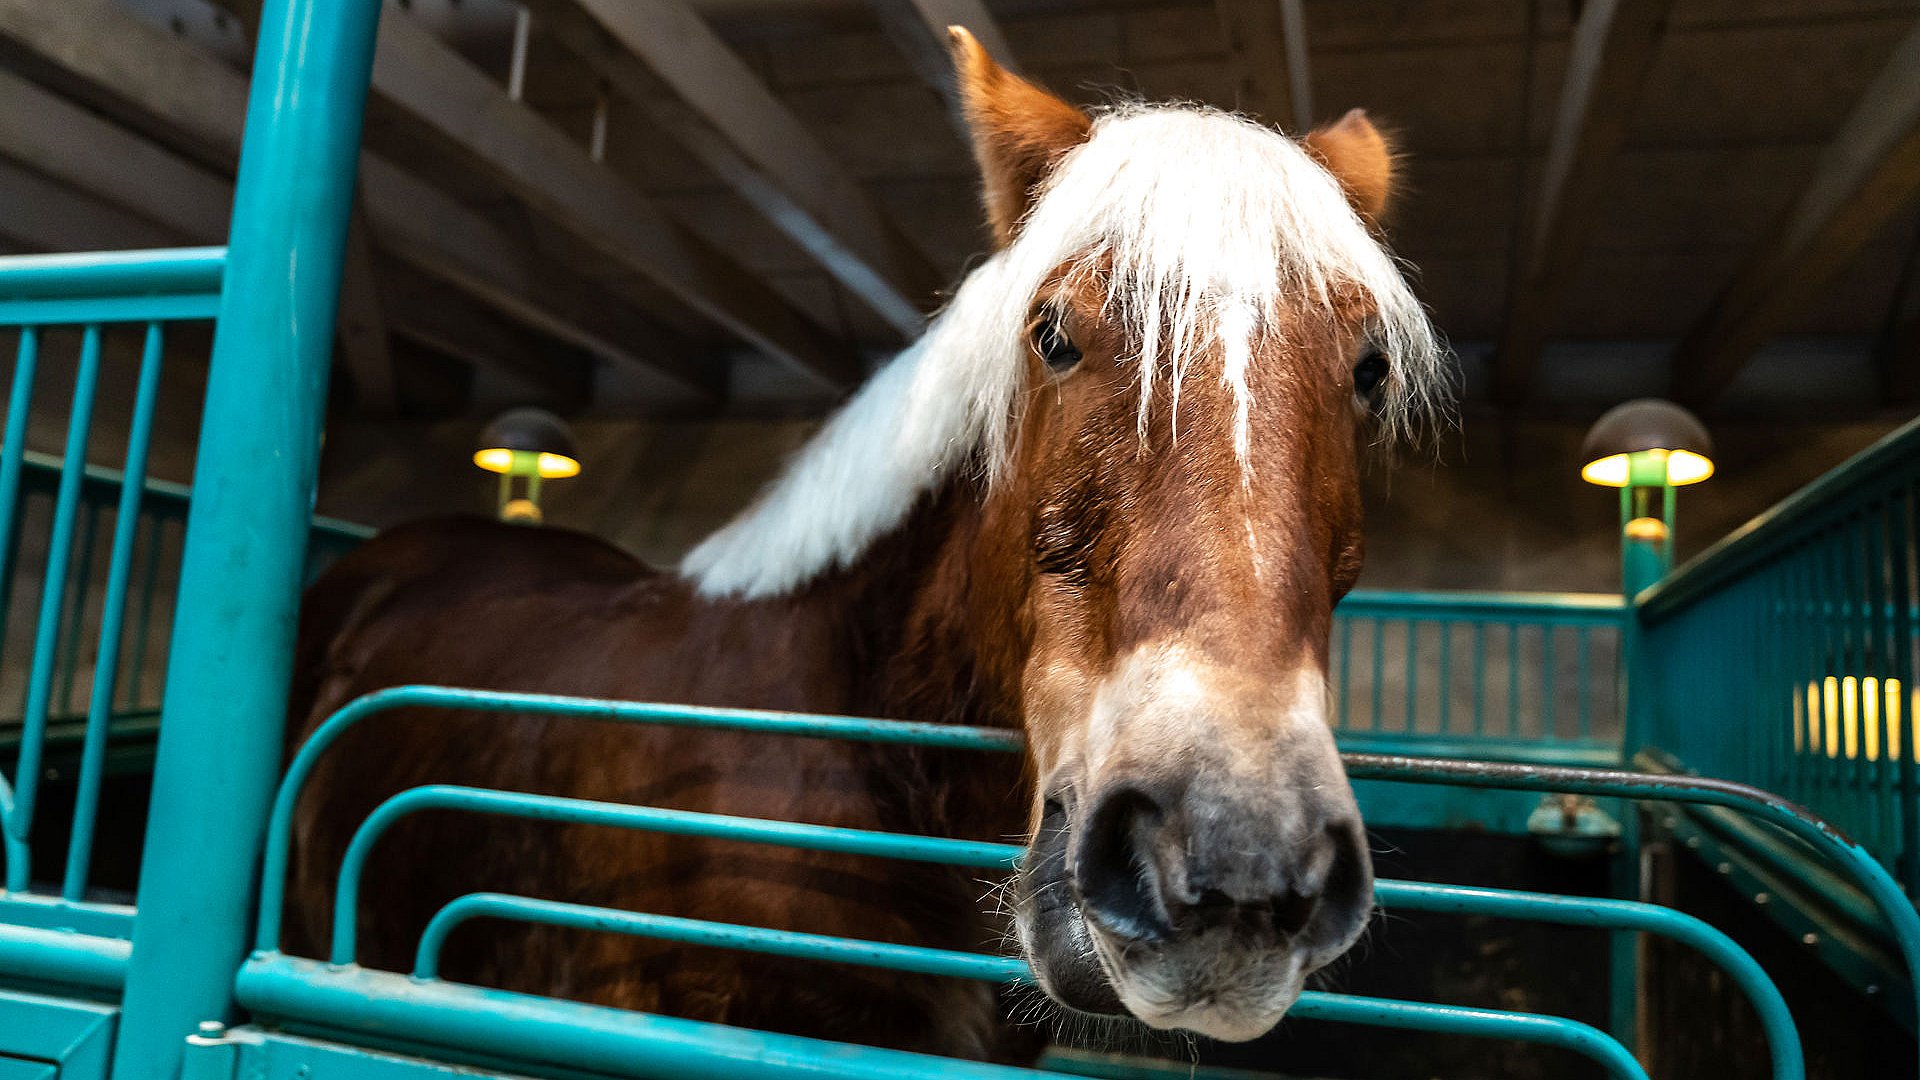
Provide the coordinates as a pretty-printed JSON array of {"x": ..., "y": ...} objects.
[
  {"x": 469, "y": 602},
  {"x": 1109, "y": 500}
]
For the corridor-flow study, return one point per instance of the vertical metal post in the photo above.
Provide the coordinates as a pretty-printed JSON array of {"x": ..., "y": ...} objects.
[
  {"x": 113, "y": 609},
  {"x": 33, "y": 727},
  {"x": 223, "y": 711}
]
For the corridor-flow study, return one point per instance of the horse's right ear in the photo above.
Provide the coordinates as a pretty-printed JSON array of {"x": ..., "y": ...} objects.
[{"x": 1019, "y": 131}]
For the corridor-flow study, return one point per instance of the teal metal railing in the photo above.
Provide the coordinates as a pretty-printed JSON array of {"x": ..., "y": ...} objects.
[
  {"x": 1480, "y": 674},
  {"x": 343, "y": 996},
  {"x": 145, "y": 605},
  {"x": 146, "y": 292},
  {"x": 88, "y": 553},
  {"x": 1785, "y": 655}
]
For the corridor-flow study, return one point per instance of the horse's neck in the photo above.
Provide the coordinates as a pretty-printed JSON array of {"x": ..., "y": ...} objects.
[{"x": 903, "y": 611}]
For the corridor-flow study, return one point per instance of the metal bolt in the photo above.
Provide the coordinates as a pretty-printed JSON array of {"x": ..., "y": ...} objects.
[
  {"x": 212, "y": 1029},
  {"x": 1873, "y": 988},
  {"x": 1809, "y": 939},
  {"x": 1725, "y": 868},
  {"x": 1761, "y": 898},
  {"x": 1693, "y": 842}
]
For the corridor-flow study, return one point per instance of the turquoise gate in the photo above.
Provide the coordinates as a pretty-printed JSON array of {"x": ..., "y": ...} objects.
[{"x": 1542, "y": 694}]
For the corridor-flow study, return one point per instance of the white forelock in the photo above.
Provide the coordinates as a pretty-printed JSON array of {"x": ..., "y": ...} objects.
[{"x": 1199, "y": 224}]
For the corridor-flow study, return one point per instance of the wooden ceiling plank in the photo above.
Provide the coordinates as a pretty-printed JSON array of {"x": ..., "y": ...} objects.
[
  {"x": 134, "y": 64},
  {"x": 665, "y": 58},
  {"x": 1865, "y": 176},
  {"x": 421, "y": 81},
  {"x": 1614, "y": 44},
  {"x": 423, "y": 228}
]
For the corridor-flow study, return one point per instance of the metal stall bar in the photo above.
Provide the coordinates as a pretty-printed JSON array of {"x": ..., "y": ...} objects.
[
  {"x": 280, "y": 825},
  {"x": 904, "y": 846},
  {"x": 1880, "y": 886},
  {"x": 1783, "y": 1041},
  {"x": 502, "y": 1024},
  {"x": 227, "y": 677},
  {"x": 106, "y": 665},
  {"x": 52, "y": 593},
  {"x": 1782, "y": 1038},
  {"x": 919, "y": 959}
]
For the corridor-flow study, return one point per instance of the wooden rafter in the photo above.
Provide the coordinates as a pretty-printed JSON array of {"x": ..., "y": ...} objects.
[
  {"x": 112, "y": 59},
  {"x": 665, "y": 58},
  {"x": 424, "y": 90},
  {"x": 1866, "y": 174},
  {"x": 1613, "y": 48}
]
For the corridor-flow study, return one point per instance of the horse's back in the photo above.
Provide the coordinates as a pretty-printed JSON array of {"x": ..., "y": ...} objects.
[{"x": 477, "y": 604}]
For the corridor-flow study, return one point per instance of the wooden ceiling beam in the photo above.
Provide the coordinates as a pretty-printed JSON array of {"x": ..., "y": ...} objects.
[
  {"x": 1865, "y": 176},
  {"x": 444, "y": 317},
  {"x": 663, "y": 57},
  {"x": 123, "y": 65},
  {"x": 422, "y": 88},
  {"x": 1267, "y": 45},
  {"x": 1614, "y": 44}
]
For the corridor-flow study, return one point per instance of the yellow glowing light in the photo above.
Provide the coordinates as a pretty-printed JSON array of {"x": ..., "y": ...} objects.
[
  {"x": 1850, "y": 714},
  {"x": 551, "y": 466},
  {"x": 1893, "y": 718},
  {"x": 1832, "y": 688},
  {"x": 1647, "y": 528},
  {"x": 1870, "y": 715},
  {"x": 1683, "y": 467}
]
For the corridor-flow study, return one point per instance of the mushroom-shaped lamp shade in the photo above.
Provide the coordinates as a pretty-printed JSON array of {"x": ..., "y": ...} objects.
[
  {"x": 528, "y": 442},
  {"x": 1647, "y": 443}
]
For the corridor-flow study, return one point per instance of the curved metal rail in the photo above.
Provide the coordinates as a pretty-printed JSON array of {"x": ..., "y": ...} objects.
[{"x": 1783, "y": 1040}]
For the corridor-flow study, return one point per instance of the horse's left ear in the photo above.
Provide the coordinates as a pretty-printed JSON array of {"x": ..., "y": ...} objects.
[
  {"x": 1019, "y": 131},
  {"x": 1360, "y": 157}
]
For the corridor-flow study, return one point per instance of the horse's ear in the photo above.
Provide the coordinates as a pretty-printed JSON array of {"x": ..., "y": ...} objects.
[
  {"x": 1019, "y": 131},
  {"x": 1360, "y": 157}
]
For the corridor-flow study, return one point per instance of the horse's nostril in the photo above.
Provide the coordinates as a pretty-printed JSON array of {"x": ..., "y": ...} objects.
[
  {"x": 1292, "y": 911},
  {"x": 1118, "y": 878}
]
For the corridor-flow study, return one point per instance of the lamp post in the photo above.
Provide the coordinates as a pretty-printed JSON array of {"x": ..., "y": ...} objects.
[
  {"x": 1646, "y": 448},
  {"x": 528, "y": 445}
]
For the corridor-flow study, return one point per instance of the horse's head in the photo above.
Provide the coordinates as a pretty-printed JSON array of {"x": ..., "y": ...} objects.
[
  {"x": 1165, "y": 375},
  {"x": 1211, "y": 331}
]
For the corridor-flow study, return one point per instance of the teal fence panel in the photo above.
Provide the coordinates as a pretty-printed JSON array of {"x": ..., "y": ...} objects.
[
  {"x": 1785, "y": 655},
  {"x": 89, "y": 552},
  {"x": 1534, "y": 675}
]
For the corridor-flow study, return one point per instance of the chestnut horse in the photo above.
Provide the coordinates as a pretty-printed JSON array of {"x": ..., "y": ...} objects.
[{"x": 1109, "y": 499}]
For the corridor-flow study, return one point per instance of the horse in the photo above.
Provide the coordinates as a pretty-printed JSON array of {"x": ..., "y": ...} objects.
[{"x": 1109, "y": 500}]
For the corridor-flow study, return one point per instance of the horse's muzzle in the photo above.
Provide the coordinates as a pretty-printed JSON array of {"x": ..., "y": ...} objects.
[{"x": 1189, "y": 908}]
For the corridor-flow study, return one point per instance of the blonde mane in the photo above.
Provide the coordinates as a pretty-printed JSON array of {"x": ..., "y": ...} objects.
[{"x": 1201, "y": 226}]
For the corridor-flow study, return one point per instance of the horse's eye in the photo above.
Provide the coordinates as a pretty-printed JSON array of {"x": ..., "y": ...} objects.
[
  {"x": 1368, "y": 374},
  {"x": 1054, "y": 346}
]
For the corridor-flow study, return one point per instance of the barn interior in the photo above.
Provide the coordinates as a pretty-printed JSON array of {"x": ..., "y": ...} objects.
[{"x": 692, "y": 227}]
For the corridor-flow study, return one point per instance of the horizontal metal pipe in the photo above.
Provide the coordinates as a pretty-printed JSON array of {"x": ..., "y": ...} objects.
[
  {"x": 279, "y": 824},
  {"x": 1901, "y": 917},
  {"x": 112, "y": 273},
  {"x": 569, "y": 1035},
  {"x": 919, "y": 959},
  {"x": 572, "y": 1035},
  {"x": 64, "y": 956},
  {"x": 1598, "y": 609},
  {"x": 1583, "y": 1039},
  {"x": 646, "y": 818},
  {"x": 1783, "y": 1039}
]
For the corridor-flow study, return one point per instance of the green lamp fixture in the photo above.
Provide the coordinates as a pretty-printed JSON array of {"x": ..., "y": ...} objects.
[
  {"x": 526, "y": 446},
  {"x": 1646, "y": 448}
]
